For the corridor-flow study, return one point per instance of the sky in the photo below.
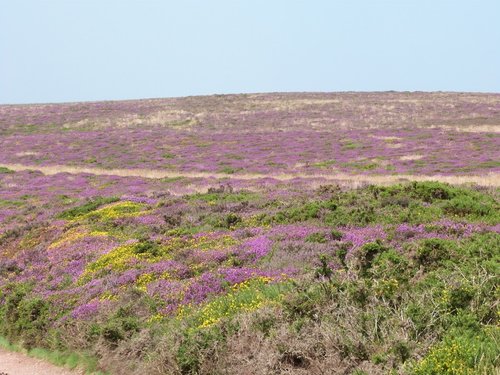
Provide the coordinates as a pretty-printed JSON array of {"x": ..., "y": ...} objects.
[{"x": 87, "y": 50}]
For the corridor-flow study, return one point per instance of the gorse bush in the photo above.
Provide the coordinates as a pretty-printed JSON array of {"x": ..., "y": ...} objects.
[
  {"x": 393, "y": 279},
  {"x": 24, "y": 317},
  {"x": 462, "y": 206},
  {"x": 432, "y": 252},
  {"x": 464, "y": 352},
  {"x": 431, "y": 191}
]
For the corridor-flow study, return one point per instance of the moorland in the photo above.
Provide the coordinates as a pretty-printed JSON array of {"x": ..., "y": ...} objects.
[{"x": 301, "y": 233}]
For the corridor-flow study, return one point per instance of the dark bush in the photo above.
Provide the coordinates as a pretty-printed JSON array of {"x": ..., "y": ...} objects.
[
  {"x": 367, "y": 254},
  {"x": 147, "y": 247},
  {"x": 432, "y": 252},
  {"x": 336, "y": 235},
  {"x": 430, "y": 191}
]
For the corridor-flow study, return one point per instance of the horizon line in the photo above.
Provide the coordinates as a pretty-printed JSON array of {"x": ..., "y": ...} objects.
[{"x": 254, "y": 93}]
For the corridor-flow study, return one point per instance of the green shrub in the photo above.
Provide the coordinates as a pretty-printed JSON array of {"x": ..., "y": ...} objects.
[
  {"x": 227, "y": 221},
  {"x": 462, "y": 353},
  {"x": 401, "y": 350},
  {"x": 367, "y": 254},
  {"x": 228, "y": 170},
  {"x": 432, "y": 252},
  {"x": 152, "y": 249},
  {"x": 336, "y": 235},
  {"x": 302, "y": 303},
  {"x": 431, "y": 191},
  {"x": 390, "y": 264},
  {"x": 324, "y": 270},
  {"x": 340, "y": 252},
  {"x": 317, "y": 237},
  {"x": 465, "y": 205},
  {"x": 305, "y": 212},
  {"x": 23, "y": 317},
  {"x": 87, "y": 207},
  {"x": 264, "y": 323},
  {"x": 9, "y": 312},
  {"x": 32, "y": 321},
  {"x": 121, "y": 325},
  {"x": 460, "y": 297},
  {"x": 196, "y": 346}
]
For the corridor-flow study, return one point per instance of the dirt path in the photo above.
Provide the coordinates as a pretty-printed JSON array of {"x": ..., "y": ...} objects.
[
  {"x": 487, "y": 179},
  {"x": 12, "y": 363}
]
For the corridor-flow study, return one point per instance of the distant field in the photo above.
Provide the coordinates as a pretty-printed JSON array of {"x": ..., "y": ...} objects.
[
  {"x": 269, "y": 233},
  {"x": 385, "y": 133}
]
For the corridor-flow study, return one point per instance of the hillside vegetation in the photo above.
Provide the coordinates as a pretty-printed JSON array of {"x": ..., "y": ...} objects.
[
  {"x": 254, "y": 234},
  {"x": 400, "y": 278}
]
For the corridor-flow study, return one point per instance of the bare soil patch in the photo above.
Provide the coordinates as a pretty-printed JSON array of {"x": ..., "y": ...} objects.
[{"x": 12, "y": 363}]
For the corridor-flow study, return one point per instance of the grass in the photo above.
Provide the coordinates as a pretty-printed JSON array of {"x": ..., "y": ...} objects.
[{"x": 86, "y": 208}]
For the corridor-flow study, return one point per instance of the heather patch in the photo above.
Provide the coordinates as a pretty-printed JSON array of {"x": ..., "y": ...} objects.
[{"x": 222, "y": 236}]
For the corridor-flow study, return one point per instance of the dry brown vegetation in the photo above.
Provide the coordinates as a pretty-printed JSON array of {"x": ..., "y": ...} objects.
[{"x": 490, "y": 179}]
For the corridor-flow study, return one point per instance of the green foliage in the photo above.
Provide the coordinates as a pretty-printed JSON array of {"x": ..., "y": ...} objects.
[
  {"x": 324, "y": 164},
  {"x": 228, "y": 170},
  {"x": 431, "y": 191},
  {"x": 336, "y": 235},
  {"x": 317, "y": 237},
  {"x": 462, "y": 352},
  {"x": 415, "y": 203},
  {"x": 121, "y": 325},
  {"x": 455, "y": 295},
  {"x": 302, "y": 304},
  {"x": 466, "y": 205},
  {"x": 32, "y": 321},
  {"x": 304, "y": 212},
  {"x": 148, "y": 248},
  {"x": 168, "y": 155},
  {"x": 367, "y": 254},
  {"x": 5, "y": 170},
  {"x": 348, "y": 144},
  {"x": 323, "y": 269},
  {"x": 363, "y": 166},
  {"x": 433, "y": 252},
  {"x": 87, "y": 207},
  {"x": 23, "y": 317},
  {"x": 196, "y": 346},
  {"x": 264, "y": 323},
  {"x": 227, "y": 221},
  {"x": 221, "y": 195},
  {"x": 231, "y": 220},
  {"x": 391, "y": 264}
]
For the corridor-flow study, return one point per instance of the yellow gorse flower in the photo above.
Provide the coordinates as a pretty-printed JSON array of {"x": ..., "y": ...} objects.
[{"x": 73, "y": 235}]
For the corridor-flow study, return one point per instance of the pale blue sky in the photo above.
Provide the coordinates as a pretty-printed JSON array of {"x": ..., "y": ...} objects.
[{"x": 74, "y": 50}]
